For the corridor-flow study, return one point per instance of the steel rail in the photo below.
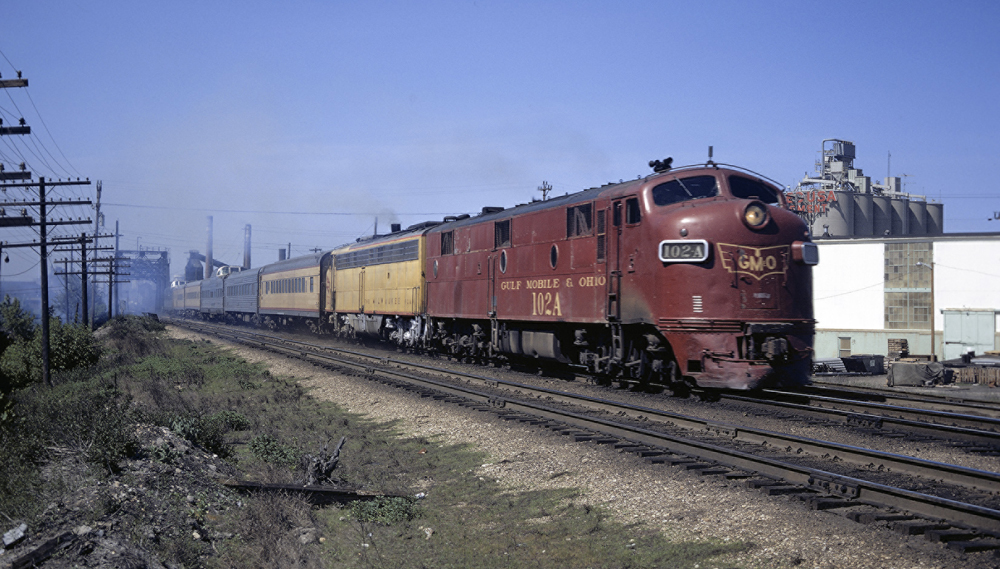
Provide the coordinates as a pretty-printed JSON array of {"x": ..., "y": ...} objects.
[
  {"x": 915, "y": 400},
  {"x": 966, "y": 428},
  {"x": 898, "y": 409},
  {"x": 859, "y": 490}
]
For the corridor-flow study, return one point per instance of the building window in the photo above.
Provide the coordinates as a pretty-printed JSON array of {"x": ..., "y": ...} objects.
[{"x": 907, "y": 298}]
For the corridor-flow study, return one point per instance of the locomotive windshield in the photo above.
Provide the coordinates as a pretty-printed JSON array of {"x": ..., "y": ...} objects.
[
  {"x": 683, "y": 189},
  {"x": 749, "y": 189}
]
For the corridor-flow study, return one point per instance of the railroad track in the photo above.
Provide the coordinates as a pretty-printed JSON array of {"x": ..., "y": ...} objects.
[
  {"x": 826, "y": 475},
  {"x": 944, "y": 402},
  {"x": 971, "y": 433}
]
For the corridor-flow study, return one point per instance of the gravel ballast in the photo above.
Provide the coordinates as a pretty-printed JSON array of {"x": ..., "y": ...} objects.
[{"x": 684, "y": 506}]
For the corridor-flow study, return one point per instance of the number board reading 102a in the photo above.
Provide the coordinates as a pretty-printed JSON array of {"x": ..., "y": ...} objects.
[{"x": 684, "y": 251}]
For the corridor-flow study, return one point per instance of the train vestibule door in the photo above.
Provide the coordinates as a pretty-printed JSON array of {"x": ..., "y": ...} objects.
[
  {"x": 491, "y": 302},
  {"x": 612, "y": 307},
  {"x": 491, "y": 286},
  {"x": 361, "y": 291}
]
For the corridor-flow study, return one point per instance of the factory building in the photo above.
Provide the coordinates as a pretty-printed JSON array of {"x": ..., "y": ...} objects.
[
  {"x": 888, "y": 270},
  {"x": 868, "y": 291},
  {"x": 842, "y": 202}
]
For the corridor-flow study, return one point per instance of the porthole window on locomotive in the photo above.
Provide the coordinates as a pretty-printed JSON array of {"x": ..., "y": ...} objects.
[
  {"x": 553, "y": 256},
  {"x": 503, "y": 261},
  {"x": 748, "y": 189},
  {"x": 680, "y": 190}
]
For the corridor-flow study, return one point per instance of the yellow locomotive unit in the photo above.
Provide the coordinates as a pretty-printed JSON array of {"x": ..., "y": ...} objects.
[{"x": 378, "y": 287}]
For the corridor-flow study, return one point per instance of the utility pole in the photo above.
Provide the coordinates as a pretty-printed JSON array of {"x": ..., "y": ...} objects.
[
  {"x": 43, "y": 243},
  {"x": 111, "y": 272},
  {"x": 43, "y": 222},
  {"x": 114, "y": 265},
  {"x": 545, "y": 188},
  {"x": 97, "y": 224},
  {"x": 83, "y": 271},
  {"x": 44, "y": 261}
]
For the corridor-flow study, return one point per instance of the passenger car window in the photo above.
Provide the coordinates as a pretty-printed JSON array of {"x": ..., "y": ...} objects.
[
  {"x": 749, "y": 189},
  {"x": 684, "y": 189}
]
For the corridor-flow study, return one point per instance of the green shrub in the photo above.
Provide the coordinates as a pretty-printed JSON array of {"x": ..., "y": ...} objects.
[
  {"x": 163, "y": 453},
  {"x": 20, "y": 480},
  {"x": 16, "y": 322},
  {"x": 134, "y": 337},
  {"x": 71, "y": 346},
  {"x": 208, "y": 432},
  {"x": 232, "y": 420},
  {"x": 169, "y": 369},
  {"x": 90, "y": 419},
  {"x": 267, "y": 448},
  {"x": 384, "y": 511}
]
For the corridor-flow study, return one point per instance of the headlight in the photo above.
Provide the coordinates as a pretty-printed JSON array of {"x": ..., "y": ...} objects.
[
  {"x": 804, "y": 252},
  {"x": 755, "y": 215}
]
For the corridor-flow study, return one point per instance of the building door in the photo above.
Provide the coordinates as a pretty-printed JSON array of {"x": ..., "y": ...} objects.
[{"x": 844, "y": 350}]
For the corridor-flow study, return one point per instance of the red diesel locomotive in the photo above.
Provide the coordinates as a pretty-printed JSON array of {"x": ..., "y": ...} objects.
[{"x": 697, "y": 274}]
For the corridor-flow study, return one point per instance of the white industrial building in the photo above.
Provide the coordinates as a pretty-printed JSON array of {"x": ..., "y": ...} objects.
[
  {"x": 869, "y": 290},
  {"x": 886, "y": 266}
]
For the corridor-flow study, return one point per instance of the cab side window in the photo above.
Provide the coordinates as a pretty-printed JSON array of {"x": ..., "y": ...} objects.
[{"x": 632, "y": 214}]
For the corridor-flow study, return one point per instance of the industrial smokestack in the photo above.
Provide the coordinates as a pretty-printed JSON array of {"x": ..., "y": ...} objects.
[
  {"x": 208, "y": 251},
  {"x": 246, "y": 247}
]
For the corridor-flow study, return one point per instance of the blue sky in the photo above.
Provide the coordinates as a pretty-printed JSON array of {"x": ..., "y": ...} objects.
[{"x": 309, "y": 119}]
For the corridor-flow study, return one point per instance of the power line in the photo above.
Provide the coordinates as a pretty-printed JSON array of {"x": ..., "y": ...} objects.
[
  {"x": 851, "y": 291},
  {"x": 179, "y": 208},
  {"x": 39, "y": 113}
]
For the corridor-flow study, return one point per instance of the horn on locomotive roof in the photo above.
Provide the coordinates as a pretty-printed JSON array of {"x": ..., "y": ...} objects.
[{"x": 661, "y": 166}]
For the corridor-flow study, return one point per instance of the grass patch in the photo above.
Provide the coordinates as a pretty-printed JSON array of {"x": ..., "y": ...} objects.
[{"x": 264, "y": 424}]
